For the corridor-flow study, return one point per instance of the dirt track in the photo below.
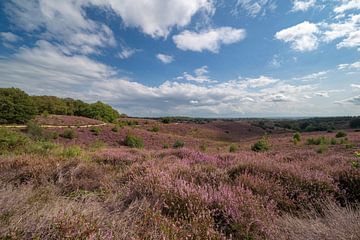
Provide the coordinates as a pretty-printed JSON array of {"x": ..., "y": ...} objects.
[{"x": 57, "y": 126}]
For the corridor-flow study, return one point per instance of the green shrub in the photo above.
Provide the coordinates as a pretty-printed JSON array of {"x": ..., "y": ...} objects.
[
  {"x": 72, "y": 152},
  {"x": 233, "y": 148},
  {"x": 69, "y": 134},
  {"x": 261, "y": 145},
  {"x": 166, "y": 120},
  {"x": 134, "y": 141},
  {"x": 41, "y": 147},
  {"x": 11, "y": 140},
  {"x": 95, "y": 130},
  {"x": 297, "y": 137},
  {"x": 35, "y": 131},
  {"x": 333, "y": 141},
  {"x": 178, "y": 144},
  {"x": 349, "y": 146},
  {"x": 166, "y": 146},
  {"x": 341, "y": 134},
  {"x": 154, "y": 129},
  {"x": 317, "y": 141}
]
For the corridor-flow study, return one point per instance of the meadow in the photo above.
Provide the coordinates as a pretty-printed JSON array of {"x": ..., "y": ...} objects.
[{"x": 146, "y": 179}]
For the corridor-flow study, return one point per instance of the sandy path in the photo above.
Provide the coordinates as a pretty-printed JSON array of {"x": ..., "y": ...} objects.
[{"x": 57, "y": 126}]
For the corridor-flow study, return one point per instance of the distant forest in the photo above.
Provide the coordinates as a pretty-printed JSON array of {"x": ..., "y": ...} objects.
[{"x": 16, "y": 106}]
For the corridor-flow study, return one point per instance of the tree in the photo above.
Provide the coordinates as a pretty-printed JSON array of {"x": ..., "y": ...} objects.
[
  {"x": 15, "y": 106},
  {"x": 101, "y": 111},
  {"x": 355, "y": 122}
]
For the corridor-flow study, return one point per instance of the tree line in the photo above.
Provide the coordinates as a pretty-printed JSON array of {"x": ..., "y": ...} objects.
[{"x": 16, "y": 106}]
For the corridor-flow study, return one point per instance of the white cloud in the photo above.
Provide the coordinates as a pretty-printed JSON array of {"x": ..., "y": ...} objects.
[
  {"x": 210, "y": 39},
  {"x": 9, "y": 37},
  {"x": 349, "y": 66},
  {"x": 302, "y": 5},
  {"x": 157, "y": 17},
  {"x": 166, "y": 59},
  {"x": 347, "y": 5},
  {"x": 355, "y": 87},
  {"x": 313, "y": 76},
  {"x": 200, "y": 76},
  {"x": 254, "y": 8},
  {"x": 275, "y": 62},
  {"x": 322, "y": 94},
  {"x": 127, "y": 53},
  {"x": 261, "y": 81},
  {"x": 352, "y": 100},
  {"x": 302, "y": 37},
  {"x": 63, "y": 21}
]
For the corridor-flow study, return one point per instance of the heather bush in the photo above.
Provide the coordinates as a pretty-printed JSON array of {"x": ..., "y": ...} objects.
[
  {"x": 233, "y": 148},
  {"x": 95, "y": 130},
  {"x": 134, "y": 141},
  {"x": 178, "y": 144},
  {"x": 68, "y": 133},
  {"x": 261, "y": 146},
  {"x": 203, "y": 147},
  {"x": 340, "y": 134}
]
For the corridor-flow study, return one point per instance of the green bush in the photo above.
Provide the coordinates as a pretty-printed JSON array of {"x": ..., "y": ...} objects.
[
  {"x": 134, "y": 141},
  {"x": 233, "y": 148},
  {"x": 166, "y": 146},
  {"x": 203, "y": 147},
  {"x": 178, "y": 144},
  {"x": 101, "y": 111},
  {"x": 297, "y": 137},
  {"x": 317, "y": 141},
  {"x": 349, "y": 146},
  {"x": 11, "y": 141},
  {"x": 35, "y": 131},
  {"x": 165, "y": 120},
  {"x": 69, "y": 134},
  {"x": 16, "y": 106},
  {"x": 95, "y": 130},
  {"x": 341, "y": 134},
  {"x": 261, "y": 145},
  {"x": 333, "y": 141},
  {"x": 72, "y": 152},
  {"x": 154, "y": 129}
]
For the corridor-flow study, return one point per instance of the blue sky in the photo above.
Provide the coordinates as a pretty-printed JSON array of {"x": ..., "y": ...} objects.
[{"x": 205, "y": 58}]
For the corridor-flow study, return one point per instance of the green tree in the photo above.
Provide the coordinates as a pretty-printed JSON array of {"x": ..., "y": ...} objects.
[
  {"x": 15, "y": 106},
  {"x": 101, "y": 111}
]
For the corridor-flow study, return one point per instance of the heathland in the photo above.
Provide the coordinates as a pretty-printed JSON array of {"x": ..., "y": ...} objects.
[{"x": 73, "y": 170}]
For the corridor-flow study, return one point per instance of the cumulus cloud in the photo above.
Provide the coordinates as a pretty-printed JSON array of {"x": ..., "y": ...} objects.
[
  {"x": 166, "y": 59},
  {"x": 302, "y": 5},
  {"x": 352, "y": 100},
  {"x": 210, "y": 39},
  {"x": 254, "y": 8},
  {"x": 47, "y": 69},
  {"x": 302, "y": 37},
  {"x": 355, "y": 87},
  {"x": 127, "y": 52}
]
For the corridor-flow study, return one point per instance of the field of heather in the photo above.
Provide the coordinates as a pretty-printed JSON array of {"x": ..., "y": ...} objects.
[{"x": 143, "y": 179}]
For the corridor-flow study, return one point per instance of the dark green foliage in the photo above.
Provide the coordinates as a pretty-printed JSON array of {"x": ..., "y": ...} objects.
[
  {"x": 15, "y": 106},
  {"x": 333, "y": 141},
  {"x": 178, "y": 144},
  {"x": 51, "y": 105},
  {"x": 341, "y": 134},
  {"x": 355, "y": 122},
  {"x": 166, "y": 146},
  {"x": 233, "y": 148},
  {"x": 95, "y": 130},
  {"x": 68, "y": 133},
  {"x": 261, "y": 145},
  {"x": 101, "y": 111},
  {"x": 166, "y": 120},
  {"x": 134, "y": 141}
]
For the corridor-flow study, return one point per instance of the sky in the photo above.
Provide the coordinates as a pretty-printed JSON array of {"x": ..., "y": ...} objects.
[{"x": 197, "y": 58}]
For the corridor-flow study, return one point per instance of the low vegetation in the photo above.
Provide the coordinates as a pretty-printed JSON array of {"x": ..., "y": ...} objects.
[{"x": 133, "y": 141}]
